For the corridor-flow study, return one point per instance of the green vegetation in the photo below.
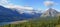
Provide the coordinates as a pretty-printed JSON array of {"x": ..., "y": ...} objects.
[{"x": 39, "y": 22}]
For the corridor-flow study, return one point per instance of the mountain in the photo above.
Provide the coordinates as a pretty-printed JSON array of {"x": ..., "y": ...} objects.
[
  {"x": 50, "y": 12},
  {"x": 7, "y": 15},
  {"x": 10, "y": 14},
  {"x": 27, "y": 14}
]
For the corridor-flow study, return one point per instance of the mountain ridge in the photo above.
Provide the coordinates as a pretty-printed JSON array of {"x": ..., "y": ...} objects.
[
  {"x": 7, "y": 15},
  {"x": 50, "y": 12}
]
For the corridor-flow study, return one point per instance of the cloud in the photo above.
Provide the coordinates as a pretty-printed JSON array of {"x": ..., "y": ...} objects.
[
  {"x": 6, "y": 3},
  {"x": 19, "y": 8},
  {"x": 49, "y": 3}
]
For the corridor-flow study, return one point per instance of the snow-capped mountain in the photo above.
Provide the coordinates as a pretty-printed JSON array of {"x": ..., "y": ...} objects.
[
  {"x": 10, "y": 14},
  {"x": 50, "y": 12}
]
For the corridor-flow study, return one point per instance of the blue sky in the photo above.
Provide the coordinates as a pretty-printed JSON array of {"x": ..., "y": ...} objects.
[
  {"x": 36, "y": 4},
  {"x": 33, "y": 3}
]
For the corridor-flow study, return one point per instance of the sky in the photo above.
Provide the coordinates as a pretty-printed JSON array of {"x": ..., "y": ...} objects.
[{"x": 32, "y": 4}]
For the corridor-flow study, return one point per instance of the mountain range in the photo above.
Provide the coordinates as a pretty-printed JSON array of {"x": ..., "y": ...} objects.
[{"x": 11, "y": 14}]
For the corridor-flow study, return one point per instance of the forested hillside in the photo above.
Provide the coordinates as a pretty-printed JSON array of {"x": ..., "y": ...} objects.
[{"x": 42, "y": 22}]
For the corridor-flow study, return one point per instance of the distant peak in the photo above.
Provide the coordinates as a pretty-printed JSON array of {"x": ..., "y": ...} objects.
[
  {"x": 51, "y": 9},
  {"x": 50, "y": 12}
]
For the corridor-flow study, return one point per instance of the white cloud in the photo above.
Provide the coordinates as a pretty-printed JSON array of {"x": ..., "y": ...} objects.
[
  {"x": 20, "y": 9},
  {"x": 49, "y": 3},
  {"x": 6, "y": 3}
]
